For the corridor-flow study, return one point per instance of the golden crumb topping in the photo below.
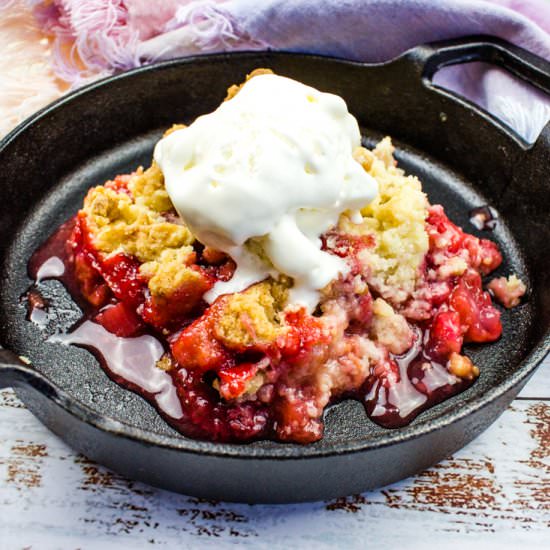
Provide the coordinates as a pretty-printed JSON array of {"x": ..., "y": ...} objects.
[
  {"x": 142, "y": 224},
  {"x": 120, "y": 224},
  {"x": 396, "y": 220},
  {"x": 147, "y": 188},
  {"x": 173, "y": 128},
  {"x": 170, "y": 271},
  {"x": 462, "y": 367},
  {"x": 166, "y": 363},
  {"x": 251, "y": 317},
  {"x": 390, "y": 328}
]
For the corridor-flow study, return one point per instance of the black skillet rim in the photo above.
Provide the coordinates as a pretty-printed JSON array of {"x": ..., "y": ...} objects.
[{"x": 243, "y": 451}]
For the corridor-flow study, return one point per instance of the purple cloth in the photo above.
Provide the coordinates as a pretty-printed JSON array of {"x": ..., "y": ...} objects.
[
  {"x": 377, "y": 30},
  {"x": 374, "y": 31}
]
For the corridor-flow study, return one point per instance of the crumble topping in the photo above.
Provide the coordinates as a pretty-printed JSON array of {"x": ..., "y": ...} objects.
[
  {"x": 119, "y": 222},
  {"x": 147, "y": 187},
  {"x": 251, "y": 317},
  {"x": 462, "y": 367},
  {"x": 390, "y": 328},
  {"x": 396, "y": 220},
  {"x": 170, "y": 270},
  {"x": 508, "y": 291}
]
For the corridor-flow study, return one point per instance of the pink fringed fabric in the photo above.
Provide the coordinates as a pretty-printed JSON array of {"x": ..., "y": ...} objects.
[
  {"x": 27, "y": 81},
  {"x": 51, "y": 46},
  {"x": 150, "y": 18},
  {"x": 199, "y": 26},
  {"x": 92, "y": 38},
  {"x": 89, "y": 39}
]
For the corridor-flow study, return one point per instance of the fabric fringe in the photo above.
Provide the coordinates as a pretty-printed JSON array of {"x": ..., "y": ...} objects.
[
  {"x": 527, "y": 120},
  {"x": 212, "y": 27},
  {"x": 27, "y": 81},
  {"x": 89, "y": 39},
  {"x": 201, "y": 26}
]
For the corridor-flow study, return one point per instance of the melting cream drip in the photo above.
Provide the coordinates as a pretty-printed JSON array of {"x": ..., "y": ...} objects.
[{"x": 275, "y": 162}]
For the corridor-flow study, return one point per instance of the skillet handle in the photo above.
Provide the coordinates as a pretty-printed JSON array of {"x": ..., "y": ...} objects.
[
  {"x": 525, "y": 65},
  {"x": 14, "y": 373}
]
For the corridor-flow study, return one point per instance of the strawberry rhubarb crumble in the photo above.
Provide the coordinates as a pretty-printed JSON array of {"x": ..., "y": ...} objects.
[{"x": 275, "y": 266}]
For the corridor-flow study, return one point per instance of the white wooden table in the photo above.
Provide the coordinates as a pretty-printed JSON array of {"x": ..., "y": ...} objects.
[{"x": 495, "y": 493}]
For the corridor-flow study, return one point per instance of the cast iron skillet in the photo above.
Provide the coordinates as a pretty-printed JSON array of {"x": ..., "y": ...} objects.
[{"x": 464, "y": 157}]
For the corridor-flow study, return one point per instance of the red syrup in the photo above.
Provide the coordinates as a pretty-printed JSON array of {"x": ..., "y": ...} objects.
[
  {"x": 131, "y": 361},
  {"x": 412, "y": 383},
  {"x": 50, "y": 261},
  {"x": 128, "y": 361},
  {"x": 398, "y": 390}
]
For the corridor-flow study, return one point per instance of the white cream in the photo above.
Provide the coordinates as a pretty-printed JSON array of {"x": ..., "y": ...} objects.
[{"x": 273, "y": 162}]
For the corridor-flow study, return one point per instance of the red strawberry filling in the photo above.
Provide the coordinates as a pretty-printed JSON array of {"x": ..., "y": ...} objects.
[{"x": 279, "y": 389}]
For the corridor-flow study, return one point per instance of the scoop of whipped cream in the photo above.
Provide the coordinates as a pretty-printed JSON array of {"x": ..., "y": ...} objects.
[{"x": 273, "y": 163}]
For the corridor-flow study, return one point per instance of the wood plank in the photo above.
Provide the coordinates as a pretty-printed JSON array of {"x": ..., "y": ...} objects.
[
  {"x": 495, "y": 493},
  {"x": 539, "y": 385}
]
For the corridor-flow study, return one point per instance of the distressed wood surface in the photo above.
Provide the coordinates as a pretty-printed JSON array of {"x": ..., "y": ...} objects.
[{"x": 495, "y": 493}]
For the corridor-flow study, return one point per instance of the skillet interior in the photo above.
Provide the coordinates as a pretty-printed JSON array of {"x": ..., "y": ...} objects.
[
  {"x": 76, "y": 371},
  {"x": 463, "y": 159}
]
